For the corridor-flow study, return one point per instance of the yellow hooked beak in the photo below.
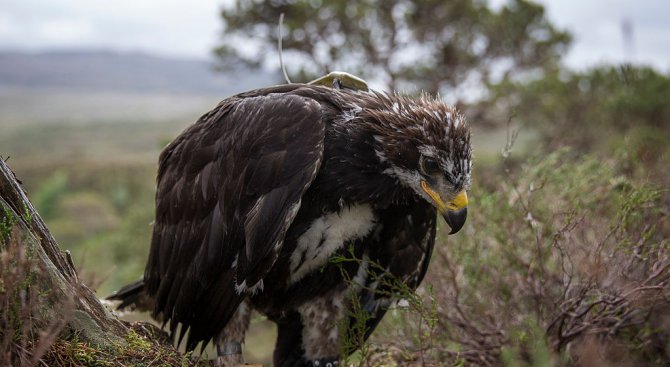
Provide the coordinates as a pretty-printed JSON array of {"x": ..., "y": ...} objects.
[{"x": 455, "y": 212}]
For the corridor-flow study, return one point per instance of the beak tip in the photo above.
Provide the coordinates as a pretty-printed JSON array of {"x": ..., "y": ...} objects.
[{"x": 456, "y": 219}]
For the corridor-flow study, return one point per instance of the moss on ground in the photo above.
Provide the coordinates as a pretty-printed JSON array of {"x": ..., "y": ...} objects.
[{"x": 145, "y": 345}]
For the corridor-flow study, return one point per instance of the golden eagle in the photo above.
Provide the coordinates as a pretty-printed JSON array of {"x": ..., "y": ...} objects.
[{"x": 256, "y": 197}]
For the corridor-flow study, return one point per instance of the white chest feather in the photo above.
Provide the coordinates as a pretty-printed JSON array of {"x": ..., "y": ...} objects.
[{"x": 327, "y": 234}]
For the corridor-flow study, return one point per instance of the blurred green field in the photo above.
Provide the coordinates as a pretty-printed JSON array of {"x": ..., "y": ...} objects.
[{"x": 88, "y": 161}]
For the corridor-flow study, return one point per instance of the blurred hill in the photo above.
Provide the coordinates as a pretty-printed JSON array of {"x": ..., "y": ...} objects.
[
  {"x": 127, "y": 72},
  {"x": 101, "y": 106}
]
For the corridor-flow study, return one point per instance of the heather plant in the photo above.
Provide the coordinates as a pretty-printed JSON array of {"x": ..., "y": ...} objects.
[{"x": 27, "y": 328}]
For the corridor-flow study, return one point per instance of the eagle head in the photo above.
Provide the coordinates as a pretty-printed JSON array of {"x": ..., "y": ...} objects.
[{"x": 425, "y": 145}]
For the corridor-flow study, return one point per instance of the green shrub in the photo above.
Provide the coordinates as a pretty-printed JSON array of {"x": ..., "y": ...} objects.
[{"x": 587, "y": 110}]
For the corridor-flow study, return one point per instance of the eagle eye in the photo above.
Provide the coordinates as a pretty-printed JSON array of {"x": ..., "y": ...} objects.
[{"x": 430, "y": 166}]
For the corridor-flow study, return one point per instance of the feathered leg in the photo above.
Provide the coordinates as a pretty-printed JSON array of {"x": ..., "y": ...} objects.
[
  {"x": 320, "y": 336},
  {"x": 229, "y": 343}
]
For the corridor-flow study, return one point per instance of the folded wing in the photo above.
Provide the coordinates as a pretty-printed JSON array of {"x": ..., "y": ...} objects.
[{"x": 228, "y": 189}]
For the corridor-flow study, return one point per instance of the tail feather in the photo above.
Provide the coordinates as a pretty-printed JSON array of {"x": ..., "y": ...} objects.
[{"x": 132, "y": 296}]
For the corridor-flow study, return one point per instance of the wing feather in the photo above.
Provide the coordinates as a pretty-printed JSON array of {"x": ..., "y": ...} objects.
[
  {"x": 228, "y": 189},
  {"x": 405, "y": 246}
]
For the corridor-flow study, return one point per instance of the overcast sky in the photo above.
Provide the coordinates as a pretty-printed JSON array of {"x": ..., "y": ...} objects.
[{"x": 183, "y": 28}]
